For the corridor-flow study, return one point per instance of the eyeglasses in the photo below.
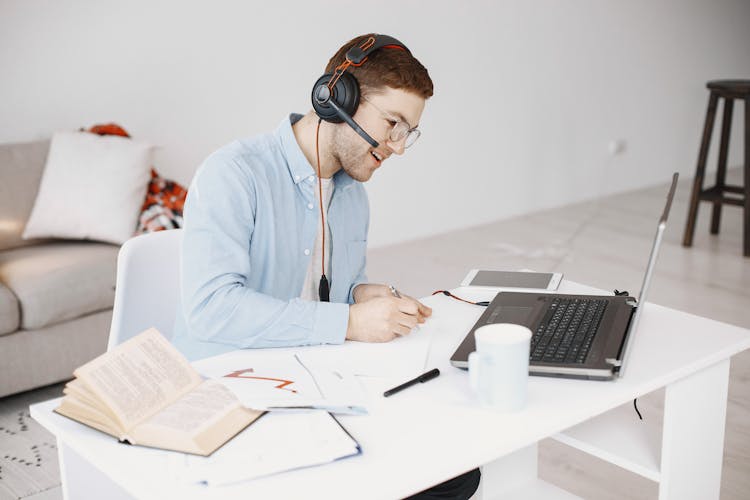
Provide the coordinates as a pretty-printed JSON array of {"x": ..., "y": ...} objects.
[{"x": 399, "y": 128}]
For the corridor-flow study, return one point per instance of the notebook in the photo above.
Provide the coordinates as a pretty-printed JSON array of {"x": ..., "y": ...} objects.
[{"x": 573, "y": 336}]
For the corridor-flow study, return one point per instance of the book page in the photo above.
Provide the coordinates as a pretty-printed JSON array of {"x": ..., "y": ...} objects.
[
  {"x": 71, "y": 407},
  {"x": 77, "y": 389},
  {"x": 193, "y": 412},
  {"x": 139, "y": 377},
  {"x": 210, "y": 410}
]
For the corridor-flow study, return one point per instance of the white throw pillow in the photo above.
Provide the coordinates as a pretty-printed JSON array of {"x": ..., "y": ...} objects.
[{"x": 92, "y": 188}]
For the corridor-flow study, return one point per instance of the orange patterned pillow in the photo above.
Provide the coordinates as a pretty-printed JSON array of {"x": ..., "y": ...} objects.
[
  {"x": 165, "y": 199},
  {"x": 163, "y": 206}
]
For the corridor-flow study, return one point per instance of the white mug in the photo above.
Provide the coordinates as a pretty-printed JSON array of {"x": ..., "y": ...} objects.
[{"x": 499, "y": 368}]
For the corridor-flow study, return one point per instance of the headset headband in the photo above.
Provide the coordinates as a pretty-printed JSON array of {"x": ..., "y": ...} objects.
[{"x": 357, "y": 55}]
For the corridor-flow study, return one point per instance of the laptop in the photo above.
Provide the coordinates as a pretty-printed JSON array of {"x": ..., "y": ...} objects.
[{"x": 573, "y": 336}]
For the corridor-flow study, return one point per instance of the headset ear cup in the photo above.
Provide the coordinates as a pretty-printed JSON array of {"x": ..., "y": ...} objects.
[{"x": 345, "y": 93}]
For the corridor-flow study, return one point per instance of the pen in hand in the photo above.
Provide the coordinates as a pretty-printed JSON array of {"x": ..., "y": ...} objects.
[
  {"x": 395, "y": 293},
  {"x": 418, "y": 380}
]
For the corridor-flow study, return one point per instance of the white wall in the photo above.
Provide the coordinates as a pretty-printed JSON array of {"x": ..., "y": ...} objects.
[{"x": 528, "y": 94}]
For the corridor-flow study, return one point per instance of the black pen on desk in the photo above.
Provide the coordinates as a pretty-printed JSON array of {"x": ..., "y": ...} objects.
[{"x": 417, "y": 380}]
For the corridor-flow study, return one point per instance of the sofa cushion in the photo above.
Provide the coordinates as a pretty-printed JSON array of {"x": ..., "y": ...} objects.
[
  {"x": 9, "y": 314},
  {"x": 59, "y": 281},
  {"x": 92, "y": 188},
  {"x": 21, "y": 168}
]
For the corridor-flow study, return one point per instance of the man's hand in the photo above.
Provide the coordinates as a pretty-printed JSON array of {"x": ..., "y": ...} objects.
[
  {"x": 368, "y": 291},
  {"x": 381, "y": 319},
  {"x": 423, "y": 311}
]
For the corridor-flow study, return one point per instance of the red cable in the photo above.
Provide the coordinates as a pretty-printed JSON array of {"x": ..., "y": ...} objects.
[
  {"x": 320, "y": 202},
  {"x": 446, "y": 292}
]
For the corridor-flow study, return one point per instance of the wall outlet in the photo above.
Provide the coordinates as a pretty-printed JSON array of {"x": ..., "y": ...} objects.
[{"x": 617, "y": 146}]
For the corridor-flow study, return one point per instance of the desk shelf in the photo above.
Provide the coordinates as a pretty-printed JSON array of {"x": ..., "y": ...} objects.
[{"x": 619, "y": 437}]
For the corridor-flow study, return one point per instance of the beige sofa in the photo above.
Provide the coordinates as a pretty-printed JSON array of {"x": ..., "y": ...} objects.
[{"x": 56, "y": 296}]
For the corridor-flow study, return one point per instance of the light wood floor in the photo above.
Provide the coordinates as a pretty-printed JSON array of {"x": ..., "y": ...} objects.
[{"x": 605, "y": 243}]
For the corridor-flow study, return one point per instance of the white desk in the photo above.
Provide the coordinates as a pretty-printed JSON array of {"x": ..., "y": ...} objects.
[{"x": 435, "y": 431}]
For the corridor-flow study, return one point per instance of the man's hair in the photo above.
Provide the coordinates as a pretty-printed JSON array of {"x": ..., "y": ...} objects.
[{"x": 386, "y": 67}]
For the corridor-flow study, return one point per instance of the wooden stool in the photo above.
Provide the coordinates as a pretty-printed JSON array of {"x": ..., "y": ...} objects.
[{"x": 721, "y": 193}]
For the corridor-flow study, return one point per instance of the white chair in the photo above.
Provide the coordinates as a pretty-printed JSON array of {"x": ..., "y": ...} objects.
[{"x": 148, "y": 285}]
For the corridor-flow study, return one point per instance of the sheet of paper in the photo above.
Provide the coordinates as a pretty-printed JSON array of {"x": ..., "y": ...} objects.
[
  {"x": 276, "y": 442},
  {"x": 402, "y": 358},
  {"x": 272, "y": 380}
]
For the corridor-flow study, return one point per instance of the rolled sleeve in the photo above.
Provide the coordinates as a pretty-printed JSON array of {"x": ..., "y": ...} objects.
[{"x": 331, "y": 321}]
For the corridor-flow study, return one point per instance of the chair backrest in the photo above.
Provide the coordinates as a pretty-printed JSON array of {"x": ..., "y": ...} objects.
[{"x": 148, "y": 285}]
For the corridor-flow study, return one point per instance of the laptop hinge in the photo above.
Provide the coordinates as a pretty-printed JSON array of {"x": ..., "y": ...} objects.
[{"x": 617, "y": 363}]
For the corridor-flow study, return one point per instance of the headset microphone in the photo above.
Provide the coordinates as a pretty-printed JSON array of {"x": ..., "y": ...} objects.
[{"x": 350, "y": 121}]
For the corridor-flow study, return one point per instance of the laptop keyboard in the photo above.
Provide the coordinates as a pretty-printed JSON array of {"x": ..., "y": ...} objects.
[{"x": 567, "y": 331}]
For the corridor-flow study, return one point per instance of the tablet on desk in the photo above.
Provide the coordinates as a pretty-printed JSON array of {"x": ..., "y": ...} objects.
[{"x": 512, "y": 280}]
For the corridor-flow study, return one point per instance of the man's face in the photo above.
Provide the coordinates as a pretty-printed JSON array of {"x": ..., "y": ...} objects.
[{"x": 377, "y": 116}]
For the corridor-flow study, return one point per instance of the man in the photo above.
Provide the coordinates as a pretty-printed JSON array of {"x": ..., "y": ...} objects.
[
  {"x": 254, "y": 247},
  {"x": 264, "y": 262}
]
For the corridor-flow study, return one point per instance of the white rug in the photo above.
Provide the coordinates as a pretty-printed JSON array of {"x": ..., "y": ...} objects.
[{"x": 28, "y": 453}]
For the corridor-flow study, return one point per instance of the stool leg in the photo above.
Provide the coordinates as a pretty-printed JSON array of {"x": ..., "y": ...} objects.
[
  {"x": 747, "y": 178},
  {"x": 721, "y": 173},
  {"x": 687, "y": 240}
]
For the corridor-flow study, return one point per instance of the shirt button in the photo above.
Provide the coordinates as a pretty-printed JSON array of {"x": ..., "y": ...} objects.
[
  {"x": 311, "y": 178},
  {"x": 307, "y": 251},
  {"x": 310, "y": 206},
  {"x": 296, "y": 177}
]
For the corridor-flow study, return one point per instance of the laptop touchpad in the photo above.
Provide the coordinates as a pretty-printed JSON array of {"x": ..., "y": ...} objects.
[{"x": 511, "y": 314}]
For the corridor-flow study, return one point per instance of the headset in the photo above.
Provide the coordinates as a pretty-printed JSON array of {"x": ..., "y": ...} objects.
[{"x": 335, "y": 96}]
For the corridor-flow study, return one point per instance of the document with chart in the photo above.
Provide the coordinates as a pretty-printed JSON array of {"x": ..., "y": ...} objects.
[{"x": 284, "y": 380}]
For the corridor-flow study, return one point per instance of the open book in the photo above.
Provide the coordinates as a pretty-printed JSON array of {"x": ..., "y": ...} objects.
[{"x": 145, "y": 392}]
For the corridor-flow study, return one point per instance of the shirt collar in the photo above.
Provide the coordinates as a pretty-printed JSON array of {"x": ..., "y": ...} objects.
[{"x": 299, "y": 168}]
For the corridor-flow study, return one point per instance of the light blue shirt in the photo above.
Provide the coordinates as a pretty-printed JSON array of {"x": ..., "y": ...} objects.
[{"x": 251, "y": 218}]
